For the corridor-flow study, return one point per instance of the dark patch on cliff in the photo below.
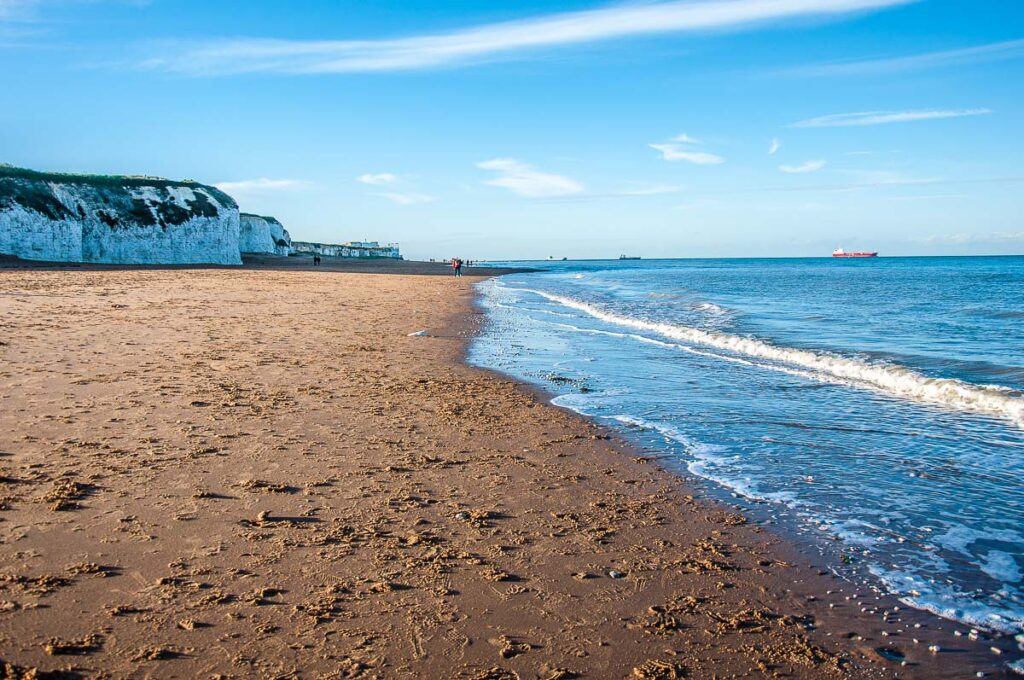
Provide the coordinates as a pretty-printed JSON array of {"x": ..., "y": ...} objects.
[
  {"x": 30, "y": 196},
  {"x": 111, "y": 197}
]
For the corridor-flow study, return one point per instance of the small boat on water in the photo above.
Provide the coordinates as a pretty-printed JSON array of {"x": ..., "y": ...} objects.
[
  {"x": 839, "y": 252},
  {"x": 629, "y": 257}
]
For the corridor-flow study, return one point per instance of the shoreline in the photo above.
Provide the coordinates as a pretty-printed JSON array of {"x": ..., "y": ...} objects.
[
  {"x": 256, "y": 262},
  {"x": 823, "y": 567},
  {"x": 258, "y": 472}
]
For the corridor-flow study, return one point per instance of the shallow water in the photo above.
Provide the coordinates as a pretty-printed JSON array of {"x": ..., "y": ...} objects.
[{"x": 877, "y": 402}]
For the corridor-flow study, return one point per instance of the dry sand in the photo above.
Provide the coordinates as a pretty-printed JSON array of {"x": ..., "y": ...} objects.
[{"x": 258, "y": 473}]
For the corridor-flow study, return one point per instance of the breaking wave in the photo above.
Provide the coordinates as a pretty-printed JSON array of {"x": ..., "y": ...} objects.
[{"x": 894, "y": 380}]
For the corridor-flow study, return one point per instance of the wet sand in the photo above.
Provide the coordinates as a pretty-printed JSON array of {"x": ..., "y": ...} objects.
[{"x": 258, "y": 472}]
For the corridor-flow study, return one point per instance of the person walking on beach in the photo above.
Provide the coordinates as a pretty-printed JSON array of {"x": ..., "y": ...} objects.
[{"x": 457, "y": 266}]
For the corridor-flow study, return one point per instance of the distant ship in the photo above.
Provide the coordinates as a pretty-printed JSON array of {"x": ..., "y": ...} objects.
[
  {"x": 629, "y": 257},
  {"x": 839, "y": 252}
]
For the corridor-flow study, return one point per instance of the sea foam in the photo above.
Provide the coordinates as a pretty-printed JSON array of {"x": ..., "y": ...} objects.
[{"x": 894, "y": 380}]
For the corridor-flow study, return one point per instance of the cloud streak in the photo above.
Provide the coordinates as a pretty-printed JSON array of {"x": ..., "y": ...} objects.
[
  {"x": 492, "y": 41},
  {"x": 407, "y": 199},
  {"x": 774, "y": 147},
  {"x": 809, "y": 166},
  {"x": 648, "y": 190},
  {"x": 262, "y": 185},
  {"x": 1010, "y": 49},
  {"x": 884, "y": 117},
  {"x": 523, "y": 179},
  {"x": 673, "y": 153},
  {"x": 11, "y": 9},
  {"x": 990, "y": 237},
  {"x": 881, "y": 184},
  {"x": 685, "y": 139},
  {"x": 377, "y": 179}
]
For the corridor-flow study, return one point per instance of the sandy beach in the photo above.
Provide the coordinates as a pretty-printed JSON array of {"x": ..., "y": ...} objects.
[{"x": 267, "y": 472}]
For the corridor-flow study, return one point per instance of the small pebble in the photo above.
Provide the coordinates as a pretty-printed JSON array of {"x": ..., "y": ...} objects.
[
  {"x": 935, "y": 649},
  {"x": 616, "y": 574}
]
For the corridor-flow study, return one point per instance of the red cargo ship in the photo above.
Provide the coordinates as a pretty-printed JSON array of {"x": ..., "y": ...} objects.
[{"x": 839, "y": 252}]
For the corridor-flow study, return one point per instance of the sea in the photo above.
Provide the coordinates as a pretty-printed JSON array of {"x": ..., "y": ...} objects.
[{"x": 873, "y": 407}]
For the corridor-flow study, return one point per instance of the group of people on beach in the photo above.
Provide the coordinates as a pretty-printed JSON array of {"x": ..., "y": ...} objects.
[
  {"x": 457, "y": 266},
  {"x": 316, "y": 260}
]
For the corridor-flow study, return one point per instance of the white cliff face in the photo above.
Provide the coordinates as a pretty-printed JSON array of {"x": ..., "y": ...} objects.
[
  {"x": 263, "y": 235},
  {"x": 109, "y": 220}
]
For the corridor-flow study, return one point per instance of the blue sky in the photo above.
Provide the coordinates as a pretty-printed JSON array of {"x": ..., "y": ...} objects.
[{"x": 533, "y": 128}]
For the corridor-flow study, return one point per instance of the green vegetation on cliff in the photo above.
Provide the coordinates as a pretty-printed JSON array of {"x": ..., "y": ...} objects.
[{"x": 109, "y": 197}]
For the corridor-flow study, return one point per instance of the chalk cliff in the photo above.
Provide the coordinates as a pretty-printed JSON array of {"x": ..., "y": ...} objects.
[
  {"x": 115, "y": 220},
  {"x": 259, "y": 234}
]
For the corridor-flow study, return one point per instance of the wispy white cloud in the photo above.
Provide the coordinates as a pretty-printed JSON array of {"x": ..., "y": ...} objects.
[
  {"x": 19, "y": 25},
  {"x": 809, "y": 166},
  {"x": 632, "y": 190},
  {"x": 925, "y": 197},
  {"x": 884, "y": 117},
  {"x": 15, "y": 9},
  {"x": 28, "y": 10},
  {"x": 674, "y": 153},
  {"x": 408, "y": 198},
  {"x": 262, "y": 185},
  {"x": 685, "y": 139},
  {"x": 402, "y": 192},
  {"x": 774, "y": 147},
  {"x": 883, "y": 180},
  {"x": 1010, "y": 49},
  {"x": 491, "y": 41},
  {"x": 989, "y": 237},
  {"x": 524, "y": 180},
  {"x": 642, "y": 189},
  {"x": 377, "y": 179}
]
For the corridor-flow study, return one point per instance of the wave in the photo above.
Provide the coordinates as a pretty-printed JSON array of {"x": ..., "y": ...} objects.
[
  {"x": 894, "y": 380},
  {"x": 706, "y": 459},
  {"x": 949, "y": 602},
  {"x": 712, "y": 308}
]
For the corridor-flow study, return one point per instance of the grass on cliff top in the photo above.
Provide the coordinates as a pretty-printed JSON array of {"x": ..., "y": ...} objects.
[
  {"x": 113, "y": 181},
  {"x": 262, "y": 217}
]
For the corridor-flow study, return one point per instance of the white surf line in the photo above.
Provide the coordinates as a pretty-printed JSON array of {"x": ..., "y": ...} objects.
[
  {"x": 892, "y": 379},
  {"x": 800, "y": 373}
]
